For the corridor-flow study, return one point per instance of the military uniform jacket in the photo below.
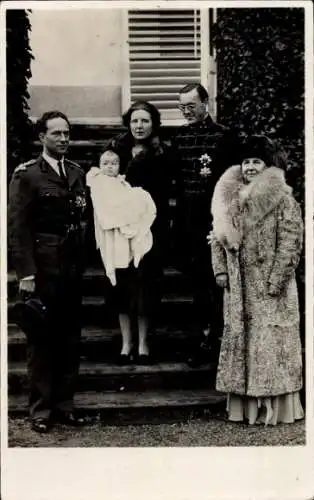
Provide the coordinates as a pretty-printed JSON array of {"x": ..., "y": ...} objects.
[
  {"x": 197, "y": 146},
  {"x": 207, "y": 144},
  {"x": 44, "y": 215},
  {"x": 192, "y": 142}
]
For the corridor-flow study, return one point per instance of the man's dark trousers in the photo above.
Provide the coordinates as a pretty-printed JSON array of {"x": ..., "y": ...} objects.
[
  {"x": 53, "y": 363},
  {"x": 193, "y": 258},
  {"x": 192, "y": 219}
]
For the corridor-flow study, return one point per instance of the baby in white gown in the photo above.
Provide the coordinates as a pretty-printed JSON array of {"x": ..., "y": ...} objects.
[{"x": 123, "y": 216}]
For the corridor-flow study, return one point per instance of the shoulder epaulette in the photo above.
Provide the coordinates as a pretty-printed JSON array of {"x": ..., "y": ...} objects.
[
  {"x": 24, "y": 166},
  {"x": 72, "y": 163},
  {"x": 76, "y": 166}
]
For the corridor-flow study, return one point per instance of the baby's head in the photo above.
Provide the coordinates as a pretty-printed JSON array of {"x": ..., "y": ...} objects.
[{"x": 109, "y": 163}]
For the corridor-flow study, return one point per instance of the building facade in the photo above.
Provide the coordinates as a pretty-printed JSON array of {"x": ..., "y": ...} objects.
[{"x": 92, "y": 63}]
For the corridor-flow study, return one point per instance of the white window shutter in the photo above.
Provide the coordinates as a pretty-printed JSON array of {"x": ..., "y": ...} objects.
[{"x": 164, "y": 55}]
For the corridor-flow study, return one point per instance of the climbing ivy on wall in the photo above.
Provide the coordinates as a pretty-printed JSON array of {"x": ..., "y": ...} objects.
[
  {"x": 18, "y": 61},
  {"x": 260, "y": 67},
  {"x": 260, "y": 70}
]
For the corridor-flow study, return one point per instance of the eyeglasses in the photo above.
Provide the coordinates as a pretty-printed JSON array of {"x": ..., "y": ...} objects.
[{"x": 189, "y": 107}]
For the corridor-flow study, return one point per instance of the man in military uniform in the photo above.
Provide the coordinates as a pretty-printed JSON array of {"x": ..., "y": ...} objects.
[
  {"x": 47, "y": 200},
  {"x": 204, "y": 149}
]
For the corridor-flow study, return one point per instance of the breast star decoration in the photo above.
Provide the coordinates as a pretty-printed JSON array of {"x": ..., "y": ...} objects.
[
  {"x": 80, "y": 202},
  {"x": 205, "y": 160}
]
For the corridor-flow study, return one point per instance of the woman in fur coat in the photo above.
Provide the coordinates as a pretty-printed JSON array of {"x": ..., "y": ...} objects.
[{"x": 257, "y": 241}]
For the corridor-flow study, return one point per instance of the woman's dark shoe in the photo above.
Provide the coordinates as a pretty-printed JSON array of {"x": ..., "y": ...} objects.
[
  {"x": 125, "y": 359},
  {"x": 144, "y": 359},
  {"x": 41, "y": 425},
  {"x": 70, "y": 418}
]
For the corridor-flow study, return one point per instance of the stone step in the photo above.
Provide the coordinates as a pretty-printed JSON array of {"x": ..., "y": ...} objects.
[
  {"x": 96, "y": 283},
  {"x": 174, "y": 309},
  {"x": 138, "y": 407},
  {"x": 104, "y": 343},
  {"x": 98, "y": 272},
  {"x": 99, "y": 132},
  {"x": 100, "y": 376}
]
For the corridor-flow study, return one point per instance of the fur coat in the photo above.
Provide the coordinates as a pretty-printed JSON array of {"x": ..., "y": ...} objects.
[
  {"x": 258, "y": 233},
  {"x": 123, "y": 217}
]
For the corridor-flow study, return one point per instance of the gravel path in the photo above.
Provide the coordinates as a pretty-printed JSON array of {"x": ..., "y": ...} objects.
[{"x": 194, "y": 432}]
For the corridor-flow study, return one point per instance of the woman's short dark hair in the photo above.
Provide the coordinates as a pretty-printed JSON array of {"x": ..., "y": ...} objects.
[
  {"x": 49, "y": 115},
  {"x": 260, "y": 146},
  {"x": 146, "y": 106}
]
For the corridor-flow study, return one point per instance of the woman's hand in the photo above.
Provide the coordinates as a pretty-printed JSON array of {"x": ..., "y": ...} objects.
[
  {"x": 222, "y": 280},
  {"x": 210, "y": 237},
  {"x": 272, "y": 290},
  {"x": 93, "y": 171},
  {"x": 137, "y": 149}
]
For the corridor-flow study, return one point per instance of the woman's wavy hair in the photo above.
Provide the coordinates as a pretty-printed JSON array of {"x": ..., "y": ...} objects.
[
  {"x": 261, "y": 146},
  {"x": 146, "y": 106}
]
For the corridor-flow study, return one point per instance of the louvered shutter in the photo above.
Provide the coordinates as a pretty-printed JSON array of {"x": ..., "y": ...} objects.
[{"x": 164, "y": 55}]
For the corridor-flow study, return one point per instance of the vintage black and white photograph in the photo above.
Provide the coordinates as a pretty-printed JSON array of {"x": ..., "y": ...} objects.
[{"x": 156, "y": 226}]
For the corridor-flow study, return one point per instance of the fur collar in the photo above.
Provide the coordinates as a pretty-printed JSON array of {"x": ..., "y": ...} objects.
[{"x": 236, "y": 205}]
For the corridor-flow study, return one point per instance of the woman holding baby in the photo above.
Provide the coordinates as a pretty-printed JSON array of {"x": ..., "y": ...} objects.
[{"x": 135, "y": 172}]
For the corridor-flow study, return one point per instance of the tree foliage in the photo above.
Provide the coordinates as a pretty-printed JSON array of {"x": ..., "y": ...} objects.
[{"x": 18, "y": 62}]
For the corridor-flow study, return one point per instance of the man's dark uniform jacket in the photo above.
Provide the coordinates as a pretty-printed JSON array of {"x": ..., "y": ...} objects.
[
  {"x": 43, "y": 212},
  {"x": 192, "y": 219},
  {"x": 194, "y": 191},
  {"x": 45, "y": 233}
]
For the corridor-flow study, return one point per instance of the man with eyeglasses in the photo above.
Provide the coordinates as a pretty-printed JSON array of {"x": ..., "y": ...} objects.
[{"x": 204, "y": 150}]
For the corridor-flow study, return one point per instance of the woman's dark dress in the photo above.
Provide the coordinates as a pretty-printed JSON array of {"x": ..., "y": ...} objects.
[{"x": 138, "y": 290}]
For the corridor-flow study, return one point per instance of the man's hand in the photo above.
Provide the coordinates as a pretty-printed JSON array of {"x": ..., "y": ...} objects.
[
  {"x": 222, "y": 280},
  {"x": 27, "y": 285}
]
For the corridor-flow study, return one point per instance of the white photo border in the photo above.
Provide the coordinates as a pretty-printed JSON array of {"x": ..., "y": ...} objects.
[{"x": 163, "y": 473}]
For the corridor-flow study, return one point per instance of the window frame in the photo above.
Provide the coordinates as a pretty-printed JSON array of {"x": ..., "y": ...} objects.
[{"x": 207, "y": 64}]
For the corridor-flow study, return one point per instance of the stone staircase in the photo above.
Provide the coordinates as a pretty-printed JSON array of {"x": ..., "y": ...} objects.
[{"x": 105, "y": 388}]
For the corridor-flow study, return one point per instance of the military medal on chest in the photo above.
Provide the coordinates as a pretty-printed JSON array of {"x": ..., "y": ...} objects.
[
  {"x": 80, "y": 201},
  {"x": 205, "y": 161}
]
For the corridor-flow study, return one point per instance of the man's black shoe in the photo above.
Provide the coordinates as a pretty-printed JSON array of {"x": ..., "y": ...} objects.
[
  {"x": 204, "y": 353},
  {"x": 41, "y": 425},
  {"x": 198, "y": 358}
]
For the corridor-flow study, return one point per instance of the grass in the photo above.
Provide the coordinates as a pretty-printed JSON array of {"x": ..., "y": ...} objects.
[{"x": 192, "y": 432}]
